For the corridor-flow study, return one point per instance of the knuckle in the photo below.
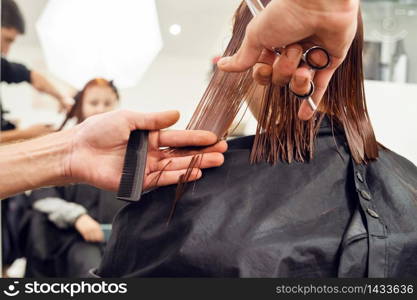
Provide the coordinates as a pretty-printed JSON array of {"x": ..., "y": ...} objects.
[
  {"x": 286, "y": 68},
  {"x": 250, "y": 29},
  {"x": 280, "y": 80}
]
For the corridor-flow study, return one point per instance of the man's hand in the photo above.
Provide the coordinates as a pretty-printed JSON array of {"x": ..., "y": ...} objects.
[
  {"x": 37, "y": 130},
  {"x": 300, "y": 25},
  {"x": 93, "y": 152},
  {"x": 65, "y": 104},
  {"x": 98, "y": 146},
  {"x": 24, "y": 134},
  {"x": 43, "y": 85},
  {"x": 89, "y": 229}
]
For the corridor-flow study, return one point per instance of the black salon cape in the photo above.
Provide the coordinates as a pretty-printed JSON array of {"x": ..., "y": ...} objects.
[
  {"x": 325, "y": 218},
  {"x": 46, "y": 243}
]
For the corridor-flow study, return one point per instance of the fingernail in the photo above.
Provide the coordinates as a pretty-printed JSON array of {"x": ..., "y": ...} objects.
[
  {"x": 265, "y": 71},
  {"x": 224, "y": 61},
  {"x": 300, "y": 80}
]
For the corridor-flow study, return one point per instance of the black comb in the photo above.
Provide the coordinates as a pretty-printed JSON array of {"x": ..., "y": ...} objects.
[{"x": 131, "y": 183}]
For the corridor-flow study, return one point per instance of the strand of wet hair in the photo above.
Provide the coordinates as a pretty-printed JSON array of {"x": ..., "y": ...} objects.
[{"x": 182, "y": 185}]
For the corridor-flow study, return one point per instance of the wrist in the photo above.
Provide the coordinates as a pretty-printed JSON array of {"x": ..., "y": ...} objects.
[
  {"x": 65, "y": 172},
  {"x": 53, "y": 154},
  {"x": 35, "y": 163},
  {"x": 79, "y": 219},
  {"x": 22, "y": 134}
]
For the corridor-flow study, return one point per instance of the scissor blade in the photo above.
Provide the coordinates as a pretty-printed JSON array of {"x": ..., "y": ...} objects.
[{"x": 255, "y": 6}]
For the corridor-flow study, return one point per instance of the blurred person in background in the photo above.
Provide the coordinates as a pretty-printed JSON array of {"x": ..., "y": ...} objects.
[
  {"x": 65, "y": 238},
  {"x": 12, "y": 25}
]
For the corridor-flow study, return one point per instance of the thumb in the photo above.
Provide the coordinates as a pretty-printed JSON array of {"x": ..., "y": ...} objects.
[
  {"x": 246, "y": 57},
  {"x": 153, "y": 121}
]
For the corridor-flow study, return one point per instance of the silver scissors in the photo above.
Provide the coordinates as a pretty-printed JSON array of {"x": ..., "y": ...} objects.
[{"x": 256, "y": 7}]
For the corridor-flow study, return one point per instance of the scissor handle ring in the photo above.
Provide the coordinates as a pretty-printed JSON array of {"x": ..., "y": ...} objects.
[
  {"x": 305, "y": 96},
  {"x": 309, "y": 62},
  {"x": 276, "y": 51}
]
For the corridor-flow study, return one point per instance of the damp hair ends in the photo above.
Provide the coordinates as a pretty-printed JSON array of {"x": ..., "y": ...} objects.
[
  {"x": 280, "y": 134},
  {"x": 76, "y": 109}
]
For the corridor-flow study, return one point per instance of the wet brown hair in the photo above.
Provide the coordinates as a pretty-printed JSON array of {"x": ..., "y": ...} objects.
[
  {"x": 76, "y": 110},
  {"x": 280, "y": 133}
]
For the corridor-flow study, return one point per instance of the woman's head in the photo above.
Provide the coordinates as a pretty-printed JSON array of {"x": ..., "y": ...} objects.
[
  {"x": 98, "y": 96},
  {"x": 280, "y": 133}
]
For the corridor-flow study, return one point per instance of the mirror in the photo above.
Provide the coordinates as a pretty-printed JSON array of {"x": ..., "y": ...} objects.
[{"x": 391, "y": 47}]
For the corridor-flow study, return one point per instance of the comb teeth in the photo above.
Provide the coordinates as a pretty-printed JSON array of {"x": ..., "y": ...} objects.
[{"x": 131, "y": 182}]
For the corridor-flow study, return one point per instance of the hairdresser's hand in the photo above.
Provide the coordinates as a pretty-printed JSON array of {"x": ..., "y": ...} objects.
[
  {"x": 89, "y": 229},
  {"x": 65, "y": 104},
  {"x": 331, "y": 24},
  {"x": 99, "y": 145},
  {"x": 36, "y": 130}
]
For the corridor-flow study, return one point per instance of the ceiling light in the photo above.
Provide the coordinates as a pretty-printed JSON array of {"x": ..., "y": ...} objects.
[
  {"x": 83, "y": 39},
  {"x": 175, "y": 29}
]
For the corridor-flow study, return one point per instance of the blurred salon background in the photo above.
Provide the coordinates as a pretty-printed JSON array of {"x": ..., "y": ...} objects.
[{"x": 160, "y": 55}]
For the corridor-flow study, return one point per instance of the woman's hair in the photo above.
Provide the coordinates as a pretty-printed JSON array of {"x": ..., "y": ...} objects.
[
  {"x": 76, "y": 110},
  {"x": 280, "y": 133}
]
